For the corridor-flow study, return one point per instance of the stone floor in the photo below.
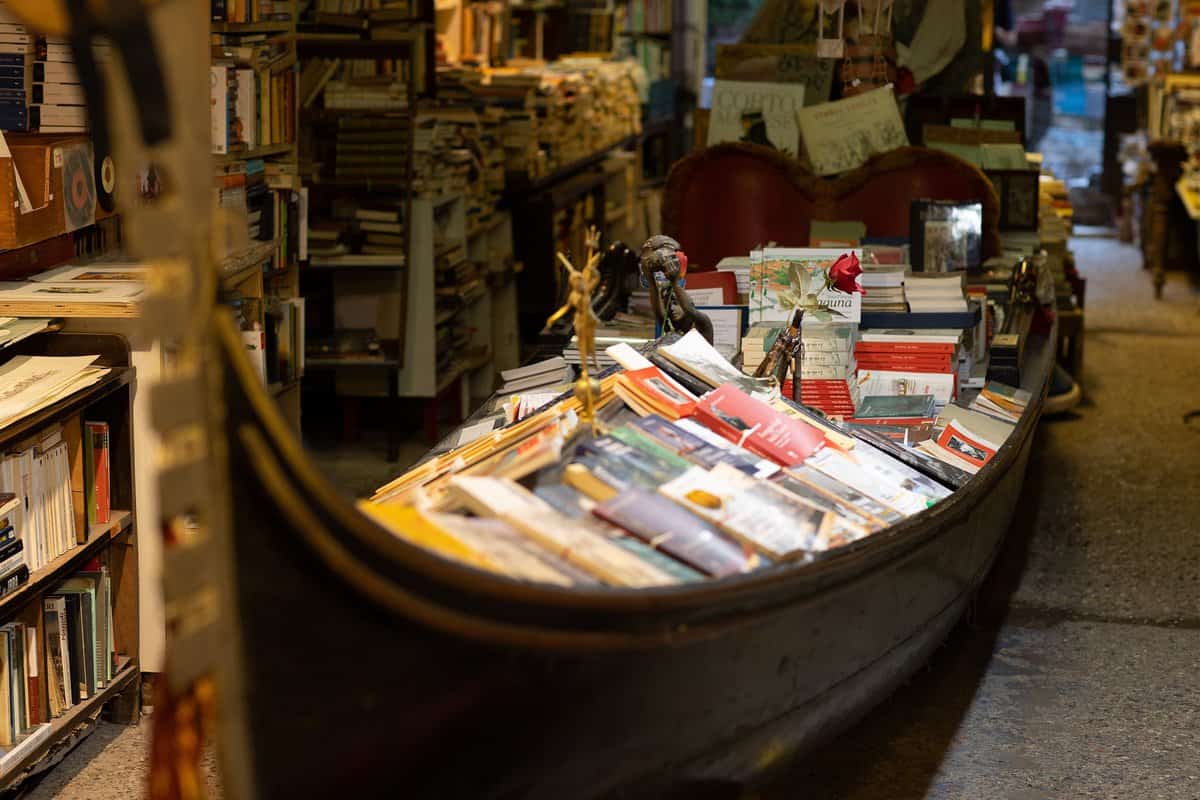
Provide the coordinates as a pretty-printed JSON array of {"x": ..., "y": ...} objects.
[{"x": 1076, "y": 674}]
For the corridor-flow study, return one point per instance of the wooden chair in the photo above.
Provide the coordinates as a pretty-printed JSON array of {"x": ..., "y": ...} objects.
[{"x": 725, "y": 200}]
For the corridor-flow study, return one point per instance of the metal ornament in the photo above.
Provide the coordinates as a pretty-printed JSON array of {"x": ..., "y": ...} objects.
[{"x": 582, "y": 283}]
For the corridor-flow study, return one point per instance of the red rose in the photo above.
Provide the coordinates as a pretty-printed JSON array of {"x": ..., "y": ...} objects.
[
  {"x": 843, "y": 275},
  {"x": 682, "y": 256}
]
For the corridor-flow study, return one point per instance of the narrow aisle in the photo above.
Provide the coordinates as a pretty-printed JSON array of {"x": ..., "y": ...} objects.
[{"x": 1077, "y": 674}]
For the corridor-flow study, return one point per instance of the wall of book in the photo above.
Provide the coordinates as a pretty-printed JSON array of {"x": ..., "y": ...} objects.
[
  {"x": 69, "y": 634},
  {"x": 254, "y": 82}
]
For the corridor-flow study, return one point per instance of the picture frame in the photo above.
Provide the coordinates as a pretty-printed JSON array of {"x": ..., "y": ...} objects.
[{"x": 1019, "y": 193}]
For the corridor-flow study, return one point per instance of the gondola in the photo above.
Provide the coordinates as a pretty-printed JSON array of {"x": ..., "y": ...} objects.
[{"x": 369, "y": 667}]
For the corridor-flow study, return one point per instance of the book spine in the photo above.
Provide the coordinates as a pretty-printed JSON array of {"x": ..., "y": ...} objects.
[{"x": 32, "y": 677}]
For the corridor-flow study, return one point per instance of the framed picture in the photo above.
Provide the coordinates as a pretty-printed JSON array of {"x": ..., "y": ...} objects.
[{"x": 1019, "y": 195}]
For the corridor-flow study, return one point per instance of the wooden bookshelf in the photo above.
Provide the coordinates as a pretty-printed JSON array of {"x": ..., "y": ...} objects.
[
  {"x": 114, "y": 544},
  {"x": 264, "y": 276}
]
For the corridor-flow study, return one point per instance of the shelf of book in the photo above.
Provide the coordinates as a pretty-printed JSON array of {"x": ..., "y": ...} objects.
[
  {"x": 60, "y": 727},
  {"x": 256, "y": 125},
  {"x": 100, "y": 535},
  {"x": 64, "y": 464},
  {"x": 66, "y": 407}
]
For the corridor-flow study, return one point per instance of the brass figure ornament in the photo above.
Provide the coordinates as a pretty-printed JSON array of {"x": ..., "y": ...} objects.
[{"x": 582, "y": 283}]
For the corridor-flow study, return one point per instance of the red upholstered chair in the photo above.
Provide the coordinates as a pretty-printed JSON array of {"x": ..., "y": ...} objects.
[{"x": 725, "y": 200}]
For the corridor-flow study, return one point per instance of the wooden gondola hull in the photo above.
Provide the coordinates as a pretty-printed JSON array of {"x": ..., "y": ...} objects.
[{"x": 343, "y": 696}]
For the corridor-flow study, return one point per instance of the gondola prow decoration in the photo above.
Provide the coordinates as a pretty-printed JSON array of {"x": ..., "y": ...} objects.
[{"x": 582, "y": 283}]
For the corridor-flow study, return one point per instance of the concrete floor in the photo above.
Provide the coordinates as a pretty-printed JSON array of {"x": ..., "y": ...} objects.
[{"x": 1076, "y": 675}]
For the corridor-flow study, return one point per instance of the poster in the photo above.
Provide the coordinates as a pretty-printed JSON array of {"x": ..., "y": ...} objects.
[
  {"x": 842, "y": 135},
  {"x": 758, "y": 113}
]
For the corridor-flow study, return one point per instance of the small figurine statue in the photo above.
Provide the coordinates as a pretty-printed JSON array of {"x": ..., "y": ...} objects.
[
  {"x": 663, "y": 266},
  {"x": 583, "y": 282}
]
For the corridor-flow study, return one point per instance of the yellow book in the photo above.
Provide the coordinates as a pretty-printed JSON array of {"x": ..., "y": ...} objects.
[{"x": 410, "y": 525}]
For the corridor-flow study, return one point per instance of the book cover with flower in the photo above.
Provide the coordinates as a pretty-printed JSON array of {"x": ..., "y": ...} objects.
[{"x": 815, "y": 279}]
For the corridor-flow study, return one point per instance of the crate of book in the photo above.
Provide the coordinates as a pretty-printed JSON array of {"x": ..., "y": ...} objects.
[{"x": 47, "y": 187}]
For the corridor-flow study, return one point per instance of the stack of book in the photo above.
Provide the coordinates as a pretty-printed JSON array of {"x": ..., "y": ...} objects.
[
  {"x": 934, "y": 292},
  {"x": 20, "y": 700},
  {"x": 44, "y": 522},
  {"x": 442, "y": 157},
  {"x": 884, "y": 287},
  {"x": 16, "y": 58},
  {"x": 909, "y": 362},
  {"x": 1001, "y": 401},
  {"x": 371, "y": 147},
  {"x": 828, "y": 369},
  {"x": 57, "y": 97},
  {"x": 966, "y": 439},
  {"x": 551, "y": 373},
  {"x": 740, "y": 267},
  {"x": 382, "y": 231},
  {"x": 756, "y": 344}
]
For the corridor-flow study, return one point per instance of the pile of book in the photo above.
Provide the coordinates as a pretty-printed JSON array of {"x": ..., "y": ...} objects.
[
  {"x": 965, "y": 438},
  {"x": 884, "y": 270},
  {"x": 370, "y": 148},
  {"x": 679, "y": 485},
  {"x": 934, "y": 292},
  {"x": 1002, "y": 401},
  {"x": 443, "y": 156},
  {"x": 909, "y": 362},
  {"x": 828, "y": 369},
  {"x": 56, "y": 96}
]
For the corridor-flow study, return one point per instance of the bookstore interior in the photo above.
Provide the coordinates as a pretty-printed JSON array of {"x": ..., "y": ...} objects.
[{"x": 667, "y": 359}]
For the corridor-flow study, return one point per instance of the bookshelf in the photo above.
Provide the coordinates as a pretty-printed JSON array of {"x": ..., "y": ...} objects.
[
  {"x": 362, "y": 74},
  {"x": 110, "y": 546},
  {"x": 255, "y": 81}
]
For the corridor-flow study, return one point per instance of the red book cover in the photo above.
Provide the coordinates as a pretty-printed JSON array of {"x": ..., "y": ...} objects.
[
  {"x": 887, "y": 365},
  {"x": 725, "y": 281},
  {"x": 918, "y": 348},
  {"x": 99, "y": 433},
  {"x": 662, "y": 392},
  {"x": 756, "y": 426},
  {"x": 34, "y": 695}
]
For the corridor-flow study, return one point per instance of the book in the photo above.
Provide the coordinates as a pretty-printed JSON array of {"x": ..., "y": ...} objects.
[
  {"x": 855, "y": 520},
  {"x": 58, "y": 660},
  {"x": 581, "y": 510},
  {"x": 775, "y": 523},
  {"x": 98, "y": 479},
  {"x": 693, "y": 354},
  {"x": 945, "y": 235},
  {"x": 941, "y": 386},
  {"x": 486, "y": 544},
  {"x": 650, "y": 391},
  {"x": 694, "y": 449},
  {"x": 783, "y": 275},
  {"x": 683, "y": 536},
  {"x": 757, "y": 426},
  {"x": 888, "y": 492},
  {"x": 503, "y": 499},
  {"x": 893, "y": 407},
  {"x": 967, "y": 445},
  {"x": 763, "y": 467}
]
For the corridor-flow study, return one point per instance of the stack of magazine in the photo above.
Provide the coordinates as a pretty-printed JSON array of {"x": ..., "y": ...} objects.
[{"x": 693, "y": 471}]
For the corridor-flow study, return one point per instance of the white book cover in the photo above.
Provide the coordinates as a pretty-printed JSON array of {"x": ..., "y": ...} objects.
[
  {"x": 219, "y": 110},
  {"x": 26, "y": 380},
  {"x": 245, "y": 124},
  {"x": 756, "y": 112},
  {"x": 890, "y": 382},
  {"x": 784, "y": 278}
]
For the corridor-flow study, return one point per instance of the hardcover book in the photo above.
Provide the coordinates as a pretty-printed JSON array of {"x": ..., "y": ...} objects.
[
  {"x": 783, "y": 277},
  {"x": 773, "y": 522},
  {"x": 757, "y": 426}
]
